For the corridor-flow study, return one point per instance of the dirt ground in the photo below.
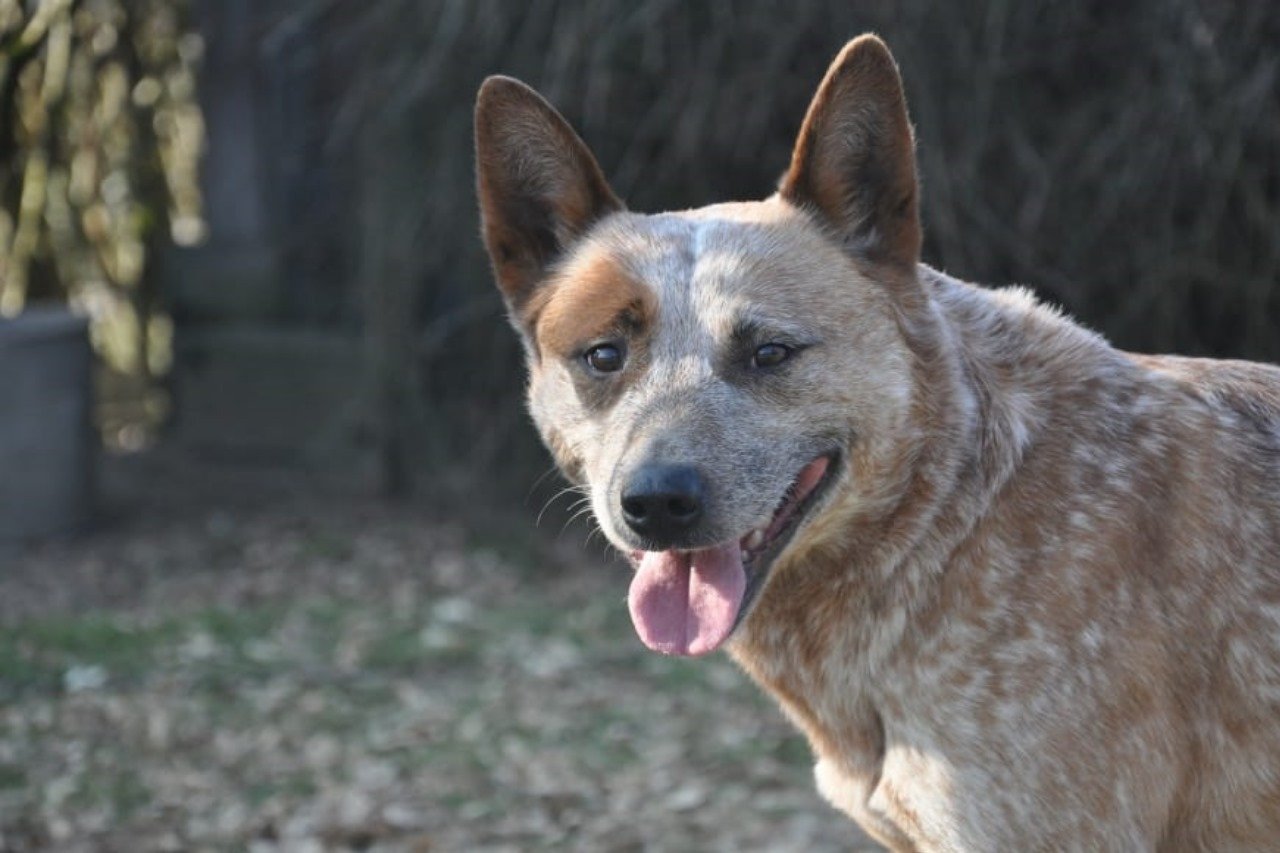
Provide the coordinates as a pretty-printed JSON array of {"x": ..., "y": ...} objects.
[{"x": 240, "y": 660}]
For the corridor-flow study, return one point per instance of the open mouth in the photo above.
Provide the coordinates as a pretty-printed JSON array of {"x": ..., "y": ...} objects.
[{"x": 690, "y": 602}]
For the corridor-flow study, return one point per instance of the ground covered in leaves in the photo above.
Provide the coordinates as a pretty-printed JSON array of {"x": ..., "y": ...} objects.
[{"x": 240, "y": 666}]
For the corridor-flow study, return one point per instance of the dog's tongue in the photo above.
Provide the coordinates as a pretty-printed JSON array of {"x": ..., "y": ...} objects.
[{"x": 686, "y": 603}]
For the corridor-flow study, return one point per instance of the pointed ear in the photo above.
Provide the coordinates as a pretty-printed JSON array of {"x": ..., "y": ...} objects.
[
  {"x": 539, "y": 186},
  {"x": 854, "y": 161}
]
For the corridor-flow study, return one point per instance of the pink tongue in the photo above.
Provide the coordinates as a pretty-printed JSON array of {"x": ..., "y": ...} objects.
[{"x": 686, "y": 603}]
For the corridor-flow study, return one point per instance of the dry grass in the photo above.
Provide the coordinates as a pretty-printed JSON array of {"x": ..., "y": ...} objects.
[{"x": 308, "y": 673}]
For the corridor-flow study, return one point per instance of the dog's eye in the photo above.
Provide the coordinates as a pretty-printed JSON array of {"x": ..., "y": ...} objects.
[
  {"x": 770, "y": 355},
  {"x": 604, "y": 358}
]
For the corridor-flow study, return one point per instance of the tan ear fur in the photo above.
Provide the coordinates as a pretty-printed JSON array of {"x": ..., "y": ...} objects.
[
  {"x": 538, "y": 184},
  {"x": 854, "y": 160}
]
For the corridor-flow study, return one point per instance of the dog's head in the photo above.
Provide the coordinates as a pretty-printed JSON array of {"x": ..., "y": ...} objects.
[{"x": 717, "y": 377}]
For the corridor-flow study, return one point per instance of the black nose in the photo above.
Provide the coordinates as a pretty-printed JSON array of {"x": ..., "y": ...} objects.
[{"x": 663, "y": 502}]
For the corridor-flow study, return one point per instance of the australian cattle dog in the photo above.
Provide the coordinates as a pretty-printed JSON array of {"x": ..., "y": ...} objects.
[{"x": 1019, "y": 589}]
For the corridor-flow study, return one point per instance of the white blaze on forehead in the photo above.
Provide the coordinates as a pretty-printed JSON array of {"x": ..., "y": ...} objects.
[
  {"x": 719, "y": 272},
  {"x": 665, "y": 252},
  {"x": 703, "y": 265}
]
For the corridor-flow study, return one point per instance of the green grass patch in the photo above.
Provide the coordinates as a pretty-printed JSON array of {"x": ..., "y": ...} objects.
[
  {"x": 397, "y": 649},
  {"x": 36, "y": 654},
  {"x": 236, "y": 628},
  {"x": 294, "y": 786},
  {"x": 122, "y": 791},
  {"x": 12, "y": 776},
  {"x": 220, "y": 649},
  {"x": 326, "y": 545}
]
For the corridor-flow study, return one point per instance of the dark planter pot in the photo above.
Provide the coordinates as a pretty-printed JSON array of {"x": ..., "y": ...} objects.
[{"x": 48, "y": 450}]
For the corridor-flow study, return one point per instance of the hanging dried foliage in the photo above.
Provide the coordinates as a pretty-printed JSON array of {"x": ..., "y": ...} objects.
[{"x": 100, "y": 139}]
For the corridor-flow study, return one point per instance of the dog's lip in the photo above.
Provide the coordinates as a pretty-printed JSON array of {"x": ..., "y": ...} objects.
[
  {"x": 776, "y": 533},
  {"x": 790, "y": 515}
]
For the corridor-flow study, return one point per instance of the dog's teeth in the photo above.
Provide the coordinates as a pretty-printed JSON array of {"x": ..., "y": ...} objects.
[{"x": 754, "y": 539}]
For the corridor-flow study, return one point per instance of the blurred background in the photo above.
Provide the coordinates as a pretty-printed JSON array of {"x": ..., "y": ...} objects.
[{"x": 269, "y": 569}]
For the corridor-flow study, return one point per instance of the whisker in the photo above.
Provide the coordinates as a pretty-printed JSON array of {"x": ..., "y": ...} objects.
[
  {"x": 544, "y": 475},
  {"x": 565, "y": 491},
  {"x": 585, "y": 510}
]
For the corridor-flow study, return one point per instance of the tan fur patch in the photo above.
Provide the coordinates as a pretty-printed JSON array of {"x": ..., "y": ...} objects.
[{"x": 590, "y": 299}]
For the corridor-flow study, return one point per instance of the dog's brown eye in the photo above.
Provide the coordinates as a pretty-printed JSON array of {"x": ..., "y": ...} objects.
[
  {"x": 770, "y": 355},
  {"x": 605, "y": 358}
]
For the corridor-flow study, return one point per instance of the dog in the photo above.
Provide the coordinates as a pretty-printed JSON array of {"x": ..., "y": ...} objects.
[{"x": 1019, "y": 589}]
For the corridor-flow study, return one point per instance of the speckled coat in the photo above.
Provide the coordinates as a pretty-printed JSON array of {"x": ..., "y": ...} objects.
[{"x": 1038, "y": 605}]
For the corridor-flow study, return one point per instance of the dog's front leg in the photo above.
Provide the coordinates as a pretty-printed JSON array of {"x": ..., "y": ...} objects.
[{"x": 851, "y": 794}]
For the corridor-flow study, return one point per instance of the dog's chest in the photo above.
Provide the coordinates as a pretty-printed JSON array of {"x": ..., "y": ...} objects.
[
  {"x": 894, "y": 794},
  {"x": 847, "y": 736},
  {"x": 878, "y": 730},
  {"x": 884, "y": 772}
]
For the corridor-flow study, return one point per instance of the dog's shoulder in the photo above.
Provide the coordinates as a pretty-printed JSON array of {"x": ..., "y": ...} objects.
[
  {"x": 1054, "y": 352},
  {"x": 1010, "y": 326}
]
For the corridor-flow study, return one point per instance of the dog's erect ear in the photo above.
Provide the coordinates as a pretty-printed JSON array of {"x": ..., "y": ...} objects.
[
  {"x": 854, "y": 161},
  {"x": 539, "y": 186}
]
